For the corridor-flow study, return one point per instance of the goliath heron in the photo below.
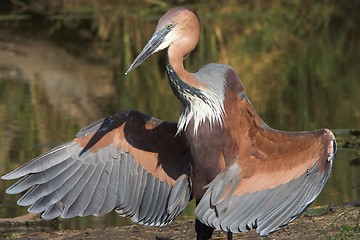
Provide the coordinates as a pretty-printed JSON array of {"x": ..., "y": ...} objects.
[{"x": 242, "y": 174}]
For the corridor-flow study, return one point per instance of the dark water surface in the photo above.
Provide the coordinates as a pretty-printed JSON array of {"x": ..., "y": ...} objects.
[{"x": 299, "y": 75}]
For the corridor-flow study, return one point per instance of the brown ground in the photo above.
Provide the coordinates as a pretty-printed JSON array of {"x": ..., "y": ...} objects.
[{"x": 337, "y": 223}]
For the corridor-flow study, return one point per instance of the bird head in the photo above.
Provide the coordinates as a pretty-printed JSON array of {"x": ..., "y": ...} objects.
[{"x": 176, "y": 24}]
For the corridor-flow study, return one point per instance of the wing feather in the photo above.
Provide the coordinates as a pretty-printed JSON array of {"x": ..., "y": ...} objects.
[
  {"x": 266, "y": 210},
  {"x": 44, "y": 189},
  {"x": 153, "y": 198},
  {"x": 145, "y": 205},
  {"x": 255, "y": 193},
  {"x": 47, "y": 160},
  {"x": 40, "y": 178},
  {"x": 160, "y": 216},
  {"x": 129, "y": 162},
  {"x": 60, "y": 188},
  {"x": 127, "y": 187},
  {"x": 109, "y": 200},
  {"x": 88, "y": 192},
  {"x": 123, "y": 175},
  {"x": 76, "y": 191},
  {"x": 99, "y": 195},
  {"x": 53, "y": 211}
]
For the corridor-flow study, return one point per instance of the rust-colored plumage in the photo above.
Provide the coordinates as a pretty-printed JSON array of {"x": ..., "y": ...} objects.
[{"x": 243, "y": 174}]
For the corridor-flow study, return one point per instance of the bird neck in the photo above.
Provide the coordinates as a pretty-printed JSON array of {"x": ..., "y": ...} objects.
[
  {"x": 200, "y": 106},
  {"x": 176, "y": 54}
]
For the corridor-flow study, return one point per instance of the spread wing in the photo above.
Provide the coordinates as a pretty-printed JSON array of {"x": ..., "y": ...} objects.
[
  {"x": 129, "y": 162},
  {"x": 267, "y": 188}
]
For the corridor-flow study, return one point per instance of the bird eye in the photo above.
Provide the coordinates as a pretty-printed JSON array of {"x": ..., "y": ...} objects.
[{"x": 169, "y": 26}]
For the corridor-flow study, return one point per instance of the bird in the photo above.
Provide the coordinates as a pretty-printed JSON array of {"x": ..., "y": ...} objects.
[{"x": 242, "y": 174}]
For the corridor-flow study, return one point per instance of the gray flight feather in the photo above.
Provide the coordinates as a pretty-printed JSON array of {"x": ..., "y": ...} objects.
[
  {"x": 71, "y": 180},
  {"x": 266, "y": 211}
]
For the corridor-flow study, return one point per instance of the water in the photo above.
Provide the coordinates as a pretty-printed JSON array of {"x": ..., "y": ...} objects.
[{"x": 297, "y": 78}]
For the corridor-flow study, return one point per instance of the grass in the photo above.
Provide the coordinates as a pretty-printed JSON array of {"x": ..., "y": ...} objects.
[{"x": 349, "y": 231}]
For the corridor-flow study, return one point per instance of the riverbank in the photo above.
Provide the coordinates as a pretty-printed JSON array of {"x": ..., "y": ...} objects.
[{"x": 335, "y": 223}]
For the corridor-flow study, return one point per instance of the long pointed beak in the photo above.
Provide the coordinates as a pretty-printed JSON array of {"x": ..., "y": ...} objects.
[{"x": 150, "y": 48}]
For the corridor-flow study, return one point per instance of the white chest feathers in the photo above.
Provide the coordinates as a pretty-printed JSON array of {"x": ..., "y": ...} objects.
[{"x": 210, "y": 106}]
